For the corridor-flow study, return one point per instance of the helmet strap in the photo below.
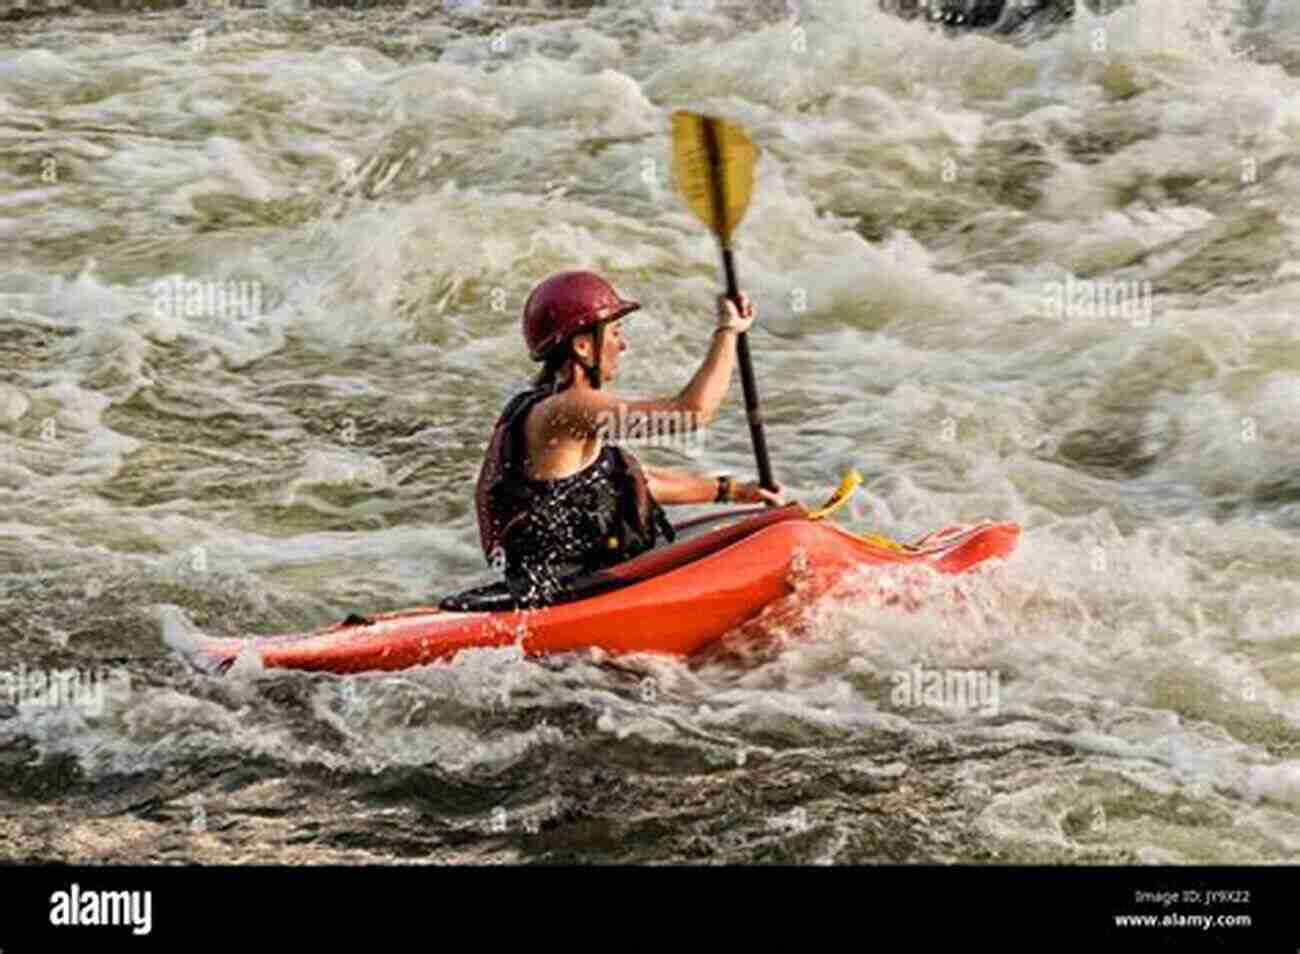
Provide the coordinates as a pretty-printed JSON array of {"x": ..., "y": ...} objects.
[
  {"x": 592, "y": 371},
  {"x": 598, "y": 338}
]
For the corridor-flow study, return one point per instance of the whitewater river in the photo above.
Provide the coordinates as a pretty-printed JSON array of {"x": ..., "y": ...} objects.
[{"x": 262, "y": 276}]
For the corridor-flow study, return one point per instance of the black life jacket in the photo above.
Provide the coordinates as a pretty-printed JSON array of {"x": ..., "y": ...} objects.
[{"x": 505, "y": 497}]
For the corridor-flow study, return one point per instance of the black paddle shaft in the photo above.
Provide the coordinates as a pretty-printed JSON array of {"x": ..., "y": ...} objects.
[{"x": 752, "y": 409}]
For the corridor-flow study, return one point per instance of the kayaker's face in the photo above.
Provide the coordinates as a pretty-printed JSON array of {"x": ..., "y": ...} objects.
[
  {"x": 611, "y": 355},
  {"x": 615, "y": 345}
]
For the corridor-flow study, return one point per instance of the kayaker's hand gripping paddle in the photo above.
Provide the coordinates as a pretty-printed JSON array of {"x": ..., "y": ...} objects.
[{"x": 713, "y": 167}]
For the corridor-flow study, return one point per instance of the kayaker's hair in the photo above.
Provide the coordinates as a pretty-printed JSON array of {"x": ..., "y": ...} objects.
[
  {"x": 559, "y": 356},
  {"x": 549, "y": 376}
]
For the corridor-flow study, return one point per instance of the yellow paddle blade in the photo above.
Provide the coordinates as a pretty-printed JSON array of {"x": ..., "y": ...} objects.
[
  {"x": 713, "y": 166},
  {"x": 848, "y": 483}
]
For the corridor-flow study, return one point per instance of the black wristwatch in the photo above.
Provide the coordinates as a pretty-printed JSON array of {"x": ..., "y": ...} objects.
[{"x": 724, "y": 489}]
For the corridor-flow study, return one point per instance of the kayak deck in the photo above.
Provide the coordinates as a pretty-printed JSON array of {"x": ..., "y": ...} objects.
[{"x": 690, "y": 598}]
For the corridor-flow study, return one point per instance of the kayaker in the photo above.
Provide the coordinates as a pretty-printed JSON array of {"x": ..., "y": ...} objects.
[{"x": 556, "y": 495}]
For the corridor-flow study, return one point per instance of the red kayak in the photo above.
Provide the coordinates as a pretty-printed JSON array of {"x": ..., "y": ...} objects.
[{"x": 677, "y": 600}]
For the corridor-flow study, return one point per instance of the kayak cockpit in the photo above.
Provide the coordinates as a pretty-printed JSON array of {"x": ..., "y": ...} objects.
[{"x": 696, "y": 539}]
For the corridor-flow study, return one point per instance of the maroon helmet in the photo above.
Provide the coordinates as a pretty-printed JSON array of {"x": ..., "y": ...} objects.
[{"x": 566, "y": 303}]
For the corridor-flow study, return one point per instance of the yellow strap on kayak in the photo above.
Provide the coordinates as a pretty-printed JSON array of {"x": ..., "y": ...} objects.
[
  {"x": 879, "y": 541},
  {"x": 850, "y": 482}
]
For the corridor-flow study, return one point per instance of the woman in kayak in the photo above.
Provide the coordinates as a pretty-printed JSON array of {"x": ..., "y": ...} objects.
[{"x": 556, "y": 497}]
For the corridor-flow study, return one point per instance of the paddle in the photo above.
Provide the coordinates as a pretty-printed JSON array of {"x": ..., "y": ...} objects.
[{"x": 713, "y": 166}]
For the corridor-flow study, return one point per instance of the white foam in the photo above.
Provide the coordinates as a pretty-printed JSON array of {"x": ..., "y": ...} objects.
[{"x": 178, "y": 630}]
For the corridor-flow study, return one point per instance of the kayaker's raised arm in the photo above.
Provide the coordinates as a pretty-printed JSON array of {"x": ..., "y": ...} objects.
[
  {"x": 706, "y": 389},
  {"x": 581, "y": 412}
]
